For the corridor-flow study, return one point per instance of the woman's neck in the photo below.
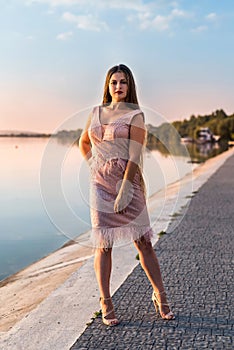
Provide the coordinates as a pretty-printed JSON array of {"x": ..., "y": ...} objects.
[{"x": 117, "y": 105}]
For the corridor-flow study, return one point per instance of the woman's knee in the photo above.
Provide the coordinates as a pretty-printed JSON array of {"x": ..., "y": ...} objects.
[
  {"x": 103, "y": 251},
  {"x": 143, "y": 244}
]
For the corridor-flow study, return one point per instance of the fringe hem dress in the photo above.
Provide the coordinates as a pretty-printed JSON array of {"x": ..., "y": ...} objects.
[{"x": 110, "y": 143}]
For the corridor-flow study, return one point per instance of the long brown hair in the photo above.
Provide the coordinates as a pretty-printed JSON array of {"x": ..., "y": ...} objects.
[{"x": 131, "y": 94}]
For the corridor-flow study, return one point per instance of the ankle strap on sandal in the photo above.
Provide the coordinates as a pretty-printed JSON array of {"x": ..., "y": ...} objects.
[
  {"x": 159, "y": 293},
  {"x": 102, "y": 298}
]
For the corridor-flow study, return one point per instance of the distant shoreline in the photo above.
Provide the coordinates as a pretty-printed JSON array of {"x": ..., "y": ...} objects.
[
  {"x": 25, "y": 135},
  {"x": 62, "y": 134}
]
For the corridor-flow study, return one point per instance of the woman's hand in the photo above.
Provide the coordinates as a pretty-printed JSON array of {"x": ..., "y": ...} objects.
[{"x": 124, "y": 197}]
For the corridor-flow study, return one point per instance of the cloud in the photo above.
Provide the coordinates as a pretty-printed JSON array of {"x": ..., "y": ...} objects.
[
  {"x": 29, "y": 37},
  {"x": 157, "y": 15},
  {"x": 159, "y": 22},
  {"x": 174, "y": 4},
  {"x": 85, "y": 22},
  {"x": 211, "y": 16},
  {"x": 64, "y": 36},
  {"x": 55, "y": 3},
  {"x": 133, "y": 5},
  {"x": 176, "y": 13},
  {"x": 199, "y": 29},
  {"x": 50, "y": 12},
  {"x": 136, "y": 5}
]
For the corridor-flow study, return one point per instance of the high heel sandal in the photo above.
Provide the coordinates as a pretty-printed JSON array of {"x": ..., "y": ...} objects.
[
  {"x": 108, "y": 322},
  {"x": 158, "y": 306}
]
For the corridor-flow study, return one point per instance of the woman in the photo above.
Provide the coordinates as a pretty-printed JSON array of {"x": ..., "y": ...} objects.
[{"x": 112, "y": 143}]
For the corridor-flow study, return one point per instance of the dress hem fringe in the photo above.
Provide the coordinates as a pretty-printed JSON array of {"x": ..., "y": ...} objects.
[{"x": 108, "y": 237}]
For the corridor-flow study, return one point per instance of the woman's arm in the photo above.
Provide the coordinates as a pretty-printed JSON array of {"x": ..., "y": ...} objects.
[
  {"x": 137, "y": 139},
  {"x": 84, "y": 141}
]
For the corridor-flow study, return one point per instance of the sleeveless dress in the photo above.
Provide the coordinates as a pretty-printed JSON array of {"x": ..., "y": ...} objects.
[{"x": 110, "y": 143}]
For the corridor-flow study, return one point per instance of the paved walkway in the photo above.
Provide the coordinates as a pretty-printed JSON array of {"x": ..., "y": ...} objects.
[{"x": 196, "y": 260}]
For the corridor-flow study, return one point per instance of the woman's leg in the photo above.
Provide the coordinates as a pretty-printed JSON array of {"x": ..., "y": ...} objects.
[
  {"x": 149, "y": 263},
  {"x": 102, "y": 266}
]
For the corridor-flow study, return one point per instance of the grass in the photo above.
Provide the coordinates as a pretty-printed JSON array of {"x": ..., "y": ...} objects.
[
  {"x": 161, "y": 233},
  {"x": 175, "y": 215},
  {"x": 192, "y": 195},
  {"x": 95, "y": 315}
]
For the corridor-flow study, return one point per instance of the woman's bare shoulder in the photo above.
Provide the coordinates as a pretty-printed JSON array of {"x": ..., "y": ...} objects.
[{"x": 138, "y": 120}]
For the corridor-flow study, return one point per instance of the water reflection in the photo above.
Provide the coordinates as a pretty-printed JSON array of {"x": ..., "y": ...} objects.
[
  {"x": 199, "y": 153},
  {"x": 26, "y": 233}
]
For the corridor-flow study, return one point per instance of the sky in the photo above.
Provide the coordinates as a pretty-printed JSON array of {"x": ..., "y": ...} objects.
[{"x": 54, "y": 55}]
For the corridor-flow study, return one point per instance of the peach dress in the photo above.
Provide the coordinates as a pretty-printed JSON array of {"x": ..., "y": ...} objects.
[{"x": 110, "y": 143}]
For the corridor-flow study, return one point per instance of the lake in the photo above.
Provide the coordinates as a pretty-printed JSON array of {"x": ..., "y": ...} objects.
[{"x": 44, "y": 195}]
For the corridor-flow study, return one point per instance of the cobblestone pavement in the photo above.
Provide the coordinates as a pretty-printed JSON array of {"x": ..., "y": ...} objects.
[{"x": 196, "y": 261}]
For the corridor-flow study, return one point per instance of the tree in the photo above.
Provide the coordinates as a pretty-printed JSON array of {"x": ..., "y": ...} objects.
[{"x": 223, "y": 129}]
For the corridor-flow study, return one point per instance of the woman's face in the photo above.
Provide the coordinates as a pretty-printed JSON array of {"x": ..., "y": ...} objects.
[{"x": 118, "y": 87}]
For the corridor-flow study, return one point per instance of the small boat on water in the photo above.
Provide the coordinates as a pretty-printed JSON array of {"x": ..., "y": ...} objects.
[
  {"x": 186, "y": 140},
  {"x": 204, "y": 135}
]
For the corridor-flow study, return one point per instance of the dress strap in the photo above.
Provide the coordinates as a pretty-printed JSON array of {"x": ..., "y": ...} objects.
[
  {"x": 135, "y": 112},
  {"x": 95, "y": 115},
  {"x": 127, "y": 118},
  {"x": 95, "y": 125}
]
